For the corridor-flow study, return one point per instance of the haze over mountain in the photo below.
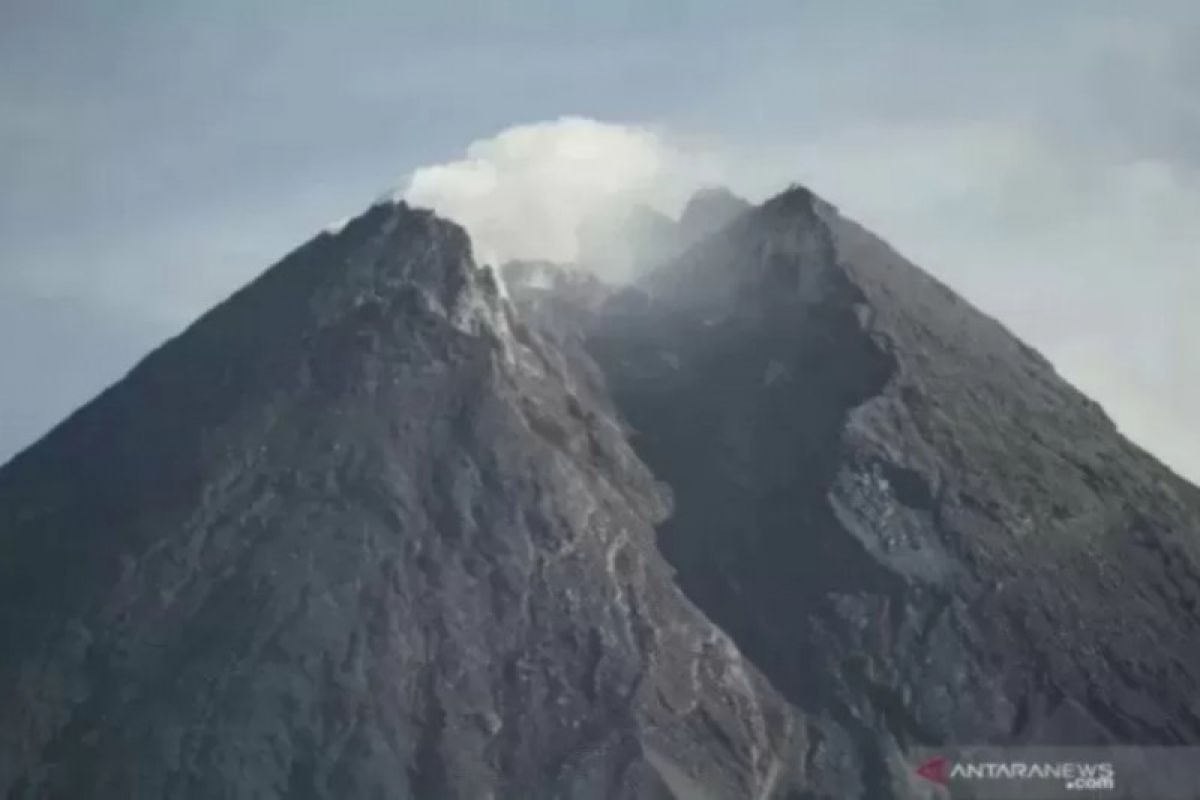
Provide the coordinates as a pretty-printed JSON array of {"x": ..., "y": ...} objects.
[{"x": 755, "y": 525}]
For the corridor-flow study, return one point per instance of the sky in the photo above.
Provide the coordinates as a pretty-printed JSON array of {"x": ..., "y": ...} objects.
[{"x": 1042, "y": 158}]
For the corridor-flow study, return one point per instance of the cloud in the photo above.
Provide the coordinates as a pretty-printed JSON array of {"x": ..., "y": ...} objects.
[{"x": 527, "y": 192}]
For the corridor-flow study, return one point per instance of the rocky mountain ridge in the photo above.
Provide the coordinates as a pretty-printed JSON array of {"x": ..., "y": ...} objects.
[
  {"x": 967, "y": 549},
  {"x": 753, "y": 527}
]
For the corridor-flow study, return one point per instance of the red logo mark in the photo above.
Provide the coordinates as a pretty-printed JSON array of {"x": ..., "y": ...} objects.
[{"x": 934, "y": 770}]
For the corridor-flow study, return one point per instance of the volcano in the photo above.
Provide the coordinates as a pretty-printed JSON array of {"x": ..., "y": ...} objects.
[{"x": 758, "y": 524}]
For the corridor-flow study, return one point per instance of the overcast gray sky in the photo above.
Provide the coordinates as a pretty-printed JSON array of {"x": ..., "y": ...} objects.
[{"x": 1041, "y": 157}]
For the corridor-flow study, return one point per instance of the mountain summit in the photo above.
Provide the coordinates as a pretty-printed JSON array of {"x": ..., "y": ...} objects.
[
  {"x": 900, "y": 512},
  {"x": 753, "y": 527}
]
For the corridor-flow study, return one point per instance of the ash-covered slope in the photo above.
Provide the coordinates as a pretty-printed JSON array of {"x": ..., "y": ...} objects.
[
  {"x": 900, "y": 512},
  {"x": 358, "y": 534}
]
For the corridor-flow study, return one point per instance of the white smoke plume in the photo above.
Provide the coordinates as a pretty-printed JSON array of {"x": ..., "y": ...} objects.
[{"x": 529, "y": 191}]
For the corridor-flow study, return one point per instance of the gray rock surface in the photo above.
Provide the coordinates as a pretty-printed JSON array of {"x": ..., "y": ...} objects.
[
  {"x": 900, "y": 512},
  {"x": 754, "y": 527},
  {"x": 358, "y": 533}
]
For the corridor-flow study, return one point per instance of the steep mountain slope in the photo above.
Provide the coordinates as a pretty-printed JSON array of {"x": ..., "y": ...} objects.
[
  {"x": 363, "y": 531},
  {"x": 900, "y": 512},
  {"x": 356, "y": 534}
]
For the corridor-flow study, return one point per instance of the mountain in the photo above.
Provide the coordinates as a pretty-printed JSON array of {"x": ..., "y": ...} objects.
[
  {"x": 753, "y": 527},
  {"x": 358, "y": 533},
  {"x": 901, "y": 514}
]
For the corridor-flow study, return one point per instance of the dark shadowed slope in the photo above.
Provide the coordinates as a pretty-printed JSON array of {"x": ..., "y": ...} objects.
[
  {"x": 900, "y": 512},
  {"x": 356, "y": 534}
]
